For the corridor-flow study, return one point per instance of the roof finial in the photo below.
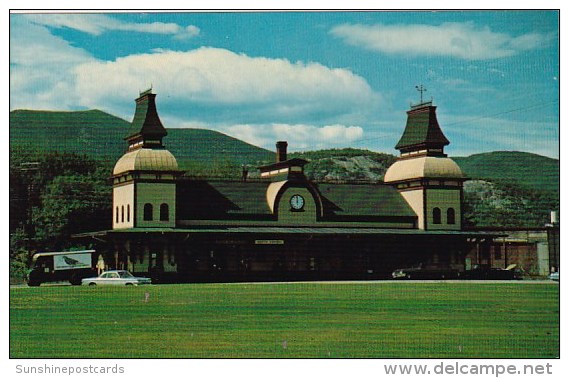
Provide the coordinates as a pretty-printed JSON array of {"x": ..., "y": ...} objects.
[
  {"x": 148, "y": 91},
  {"x": 421, "y": 89}
]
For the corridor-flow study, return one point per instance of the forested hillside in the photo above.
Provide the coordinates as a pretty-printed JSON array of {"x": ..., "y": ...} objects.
[
  {"x": 101, "y": 137},
  {"x": 529, "y": 170}
]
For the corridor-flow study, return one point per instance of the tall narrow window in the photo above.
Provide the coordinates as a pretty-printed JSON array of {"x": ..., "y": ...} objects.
[
  {"x": 122, "y": 214},
  {"x": 436, "y": 215},
  {"x": 164, "y": 215},
  {"x": 117, "y": 215},
  {"x": 128, "y": 213},
  {"x": 147, "y": 212},
  {"x": 451, "y": 219}
]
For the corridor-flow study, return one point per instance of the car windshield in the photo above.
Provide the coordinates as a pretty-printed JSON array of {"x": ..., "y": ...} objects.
[{"x": 125, "y": 274}]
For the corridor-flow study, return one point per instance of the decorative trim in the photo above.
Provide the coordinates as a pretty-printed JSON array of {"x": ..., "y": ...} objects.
[
  {"x": 154, "y": 181},
  {"x": 421, "y": 153},
  {"x": 135, "y": 207},
  {"x": 425, "y": 214},
  {"x": 313, "y": 191},
  {"x": 461, "y": 207},
  {"x": 175, "y": 173}
]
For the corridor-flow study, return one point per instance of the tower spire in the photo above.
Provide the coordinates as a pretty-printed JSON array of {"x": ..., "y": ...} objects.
[
  {"x": 146, "y": 128},
  {"x": 422, "y": 135}
]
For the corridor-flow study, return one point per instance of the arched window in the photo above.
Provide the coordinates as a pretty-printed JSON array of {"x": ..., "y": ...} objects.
[
  {"x": 436, "y": 215},
  {"x": 147, "y": 212},
  {"x": 164, "y": 213},
  {"x": 128, "y": 213},
  {"x": 117, "y": 215},
  {"x": 122, "y": 214},
  {"x": 451, "y": 219}
]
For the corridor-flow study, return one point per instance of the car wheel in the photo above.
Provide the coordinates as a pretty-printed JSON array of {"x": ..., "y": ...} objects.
[{"x": 92, "y": 284}]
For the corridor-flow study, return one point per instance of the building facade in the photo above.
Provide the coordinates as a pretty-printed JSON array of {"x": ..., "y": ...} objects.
[
  {"x": 283, "y": 226},
  {"x": 534, "y": 251}
]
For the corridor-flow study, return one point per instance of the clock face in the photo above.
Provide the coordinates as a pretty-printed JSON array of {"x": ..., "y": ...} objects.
[{"x": 296, "y": 202}]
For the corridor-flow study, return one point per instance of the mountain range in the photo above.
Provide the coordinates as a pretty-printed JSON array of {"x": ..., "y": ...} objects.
[{"x": 99, "y": 135}]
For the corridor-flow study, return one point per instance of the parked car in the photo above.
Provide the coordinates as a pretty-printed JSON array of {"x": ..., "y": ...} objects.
[
  {"x": 554, "y": 276},
  {"x": 116, "y": 277},
  {"x": 425, "y": 273},
  {"x": 486, "y": 272}
]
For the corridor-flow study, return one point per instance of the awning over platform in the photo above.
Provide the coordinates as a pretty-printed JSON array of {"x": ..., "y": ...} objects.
[{"x": 293, "y": 231}]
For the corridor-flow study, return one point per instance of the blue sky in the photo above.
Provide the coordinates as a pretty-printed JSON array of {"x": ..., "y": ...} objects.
[{"x": 316, "y": 79}]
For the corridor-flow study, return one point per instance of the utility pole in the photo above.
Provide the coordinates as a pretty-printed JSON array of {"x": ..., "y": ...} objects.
[
  {"x": 553, "y": 242},
  {"x": 29, "y": 168}
]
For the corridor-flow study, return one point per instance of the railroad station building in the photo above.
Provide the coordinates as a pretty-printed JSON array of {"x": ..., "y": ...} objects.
[{"x": 282, "y": 226}]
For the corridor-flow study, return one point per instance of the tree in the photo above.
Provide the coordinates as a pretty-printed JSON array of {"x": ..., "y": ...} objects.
[
  {"x": 72, "y": 204},
  {"x": 19, "y": 255},
  {"x": 501, "y": 203}
]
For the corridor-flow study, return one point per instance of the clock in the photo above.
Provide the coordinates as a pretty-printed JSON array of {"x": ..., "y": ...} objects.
[{"x": 296, "y": 202}]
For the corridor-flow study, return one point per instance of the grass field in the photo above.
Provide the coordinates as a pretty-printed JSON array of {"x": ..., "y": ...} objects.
[{"x": 306, "y": 320}]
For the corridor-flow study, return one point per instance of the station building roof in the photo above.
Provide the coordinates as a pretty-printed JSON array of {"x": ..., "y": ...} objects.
[
  {"x": 296, "y": 230},
  {"x": 422, "y": 129},
  {"x": 146, "y": 121},
  {"x": 364, "y": 200},
  {"x": 201, "y": 199},
  {"x": 146, "y": 159},
  {"x": 423, "y": 167}
]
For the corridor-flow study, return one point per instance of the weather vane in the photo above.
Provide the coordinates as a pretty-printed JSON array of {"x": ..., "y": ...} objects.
[{"x": 421, "y": 89}]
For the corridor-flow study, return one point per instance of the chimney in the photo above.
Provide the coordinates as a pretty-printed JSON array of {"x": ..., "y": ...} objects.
[
  {"x": 554, "y": 217},
  {"x": 281, "y": 151}
]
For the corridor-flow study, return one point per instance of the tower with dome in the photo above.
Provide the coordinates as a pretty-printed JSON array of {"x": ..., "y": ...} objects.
[
  {"x": 144, "y": 178},
  {"x": 426, "y": 177}
]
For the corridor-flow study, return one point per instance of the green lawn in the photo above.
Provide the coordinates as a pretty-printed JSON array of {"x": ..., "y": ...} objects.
[{"x": 314, "y": 320}]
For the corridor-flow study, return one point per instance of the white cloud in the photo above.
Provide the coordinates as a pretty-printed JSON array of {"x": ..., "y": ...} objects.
[
  {"x": 212, "y": 77},
  {"x": 41, "y": 67},
  {"x": 97, "y": 24},
  {"x": 459, "y": 40},
  {"x": 206, "y": 85},
  {"x": 188, "y": 32},
  {"x": 299, "y": 136}
]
